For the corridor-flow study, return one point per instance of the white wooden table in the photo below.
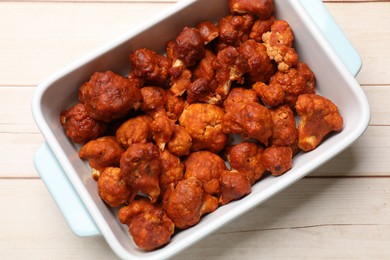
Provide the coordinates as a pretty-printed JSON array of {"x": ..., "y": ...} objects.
[{"x": 342, "y": 210}]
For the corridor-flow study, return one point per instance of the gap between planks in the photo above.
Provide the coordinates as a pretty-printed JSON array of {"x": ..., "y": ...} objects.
[
  {"x": 161, "y": 1},
  {"x": 306, "y": 177},
  {"x": 299, "y": 227},
  {"x": 20, "y": 178},
  {"x": 94, "y": 1}
]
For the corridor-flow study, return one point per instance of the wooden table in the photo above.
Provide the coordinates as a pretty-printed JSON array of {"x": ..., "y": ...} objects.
[{"x": 342, "y": 210}]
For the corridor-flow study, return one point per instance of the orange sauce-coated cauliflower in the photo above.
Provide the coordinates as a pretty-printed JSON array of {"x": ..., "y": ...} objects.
[{"x": 319, "y": 117}]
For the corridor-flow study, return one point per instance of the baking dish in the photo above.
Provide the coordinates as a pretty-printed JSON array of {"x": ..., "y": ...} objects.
[{"x": 320, "y": 44}]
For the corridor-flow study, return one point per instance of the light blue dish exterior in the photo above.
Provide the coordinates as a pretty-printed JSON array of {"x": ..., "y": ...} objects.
[
  {"x": 333, "y": 34},
  {"x": 65, "y": 195}
]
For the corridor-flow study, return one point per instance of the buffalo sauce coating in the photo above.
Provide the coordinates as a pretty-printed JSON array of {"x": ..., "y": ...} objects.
[{"x": 161, "y": 137}]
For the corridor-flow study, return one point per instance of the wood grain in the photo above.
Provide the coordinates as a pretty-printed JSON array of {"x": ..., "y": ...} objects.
[
  {"x": 20, "y": 137},
  {"x": 315, "y": 218},
  {"x": 32, "y": 226},
  {"x": 340, "y": 211},
  {"x": 165, "y": 1},
  {"x": 66, "y": 42},
  {"x": 367, "y": 36},
  {"x": 59, "y": 34}
]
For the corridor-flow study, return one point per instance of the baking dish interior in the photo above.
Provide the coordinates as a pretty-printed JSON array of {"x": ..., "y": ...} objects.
[{"x": 60, "y": 92}]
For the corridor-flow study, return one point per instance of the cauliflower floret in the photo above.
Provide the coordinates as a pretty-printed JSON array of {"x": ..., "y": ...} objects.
[
  {"x": 246, "y": 157},
  {"x": 246, "y": 117},
  {"x": 260, "y": 67},
  {"x": 135, "y": 130},
  {"x": 285, "y": 87},
  {"x": 263, "y": 8},
  {"x": 148, "y": 224},
  {"x": 174, "y": 105},
  {"x": 279, "y": 45},
  {"x": 172, "y": 170},
  {"x": 150, "y": 66},
  {"x": 181, "y": 141},
  {"x": 204, "y": 124},
  {"x": 234, "y": 30},
  {"x": 229, "y": 66},
  {"x": 186, "y": 202},
  {"x": 234, "y": 185},
  {"x": 261, "y": 26},
  {"x": 101, "y": 153},
  {"x": 180, "y": 84},
  {"x": 187, "y": 49},
  {"x": 162, "y": 129},
  {"x": 112, "y": 189},
  {"x": 204, "y": 68},
  {"x": 108, "y": 96},
  {"x": 208, "y": 30},
  {"x": 202, "y": 90},
  {"x": 277, "y": 160},
  {"x": 79, "y": 126},
  {"x": 141, "y": 168},
  {"x": 319, "y": 117},
  {"x": 153, "y": 98},
  {"x": 207, "y": 168},
  {"x": 285, "y": 132}
]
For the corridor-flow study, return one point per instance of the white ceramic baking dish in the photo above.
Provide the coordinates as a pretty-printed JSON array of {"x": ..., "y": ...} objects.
[{"x": 319, "y": 42}]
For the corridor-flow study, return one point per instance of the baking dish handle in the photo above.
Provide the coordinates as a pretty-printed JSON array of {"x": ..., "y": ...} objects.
[
  {"x": 332, "y": 32},
  {"x": 65, "y": 195}
]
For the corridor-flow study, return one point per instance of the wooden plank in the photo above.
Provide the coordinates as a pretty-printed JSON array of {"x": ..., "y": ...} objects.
[
  {"x": 314, "y": 218},
  {"x": 32, "y": 225},
  {"x": 352, "y": 1},
  {"x": 18, "y": 100},
  {"x": 163, "y": 1},
  {"x": 368, "y": 156},
  {"x": 339, "y": 211},
  {"x": 364, "y": 25},
  {"x": 21, "y": 138},
  {"x": 48, "y": 29},
  {"x": 318, "y": 242},
  {"x": 52, "y": 35},
  {"x": 94, "y": 1},
  {"x": 18, "y": 150},
  {"x": 378, "y": 98},
  {"x": 15, "y": 110}
]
